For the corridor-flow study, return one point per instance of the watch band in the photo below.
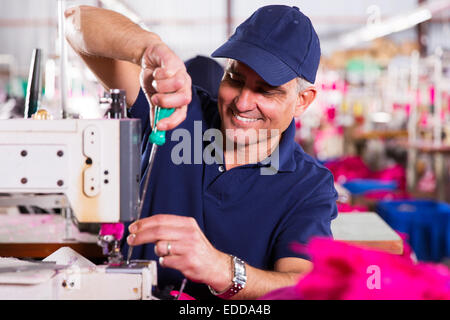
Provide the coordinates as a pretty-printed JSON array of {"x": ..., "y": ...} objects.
[{"x": 238, "y": 282}]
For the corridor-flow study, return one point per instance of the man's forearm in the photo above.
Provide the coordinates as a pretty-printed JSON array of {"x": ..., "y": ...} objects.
[
  {"x": 261, "y": 282},
  {"x": 99, "y": 32}
]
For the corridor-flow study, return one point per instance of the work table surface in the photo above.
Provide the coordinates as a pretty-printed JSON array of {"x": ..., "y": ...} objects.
[
  {"x": 39, "y": 235},
  {"x": 366, "y": 229}
]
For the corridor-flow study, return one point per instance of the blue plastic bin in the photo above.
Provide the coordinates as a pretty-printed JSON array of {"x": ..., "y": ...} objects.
[
  {"x": 426, "y": 222},
  {"x": 360, "y": 186}
]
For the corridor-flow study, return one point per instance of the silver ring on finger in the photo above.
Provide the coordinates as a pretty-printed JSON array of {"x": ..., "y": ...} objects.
[{"x": 169, "y": 246}]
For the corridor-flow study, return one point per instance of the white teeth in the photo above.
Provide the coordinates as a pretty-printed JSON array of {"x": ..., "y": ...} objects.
[{"x": 244, "y": 119}]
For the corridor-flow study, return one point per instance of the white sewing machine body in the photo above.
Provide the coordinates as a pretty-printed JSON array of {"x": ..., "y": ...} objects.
[
  {"x": 93, "y": 163},
  {"x": 92, "y": 168},
  {"x": 66, "y": 275}
]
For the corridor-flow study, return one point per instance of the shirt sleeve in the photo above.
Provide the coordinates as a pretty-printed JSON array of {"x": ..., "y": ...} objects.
[{"x": 312, "y": 218}]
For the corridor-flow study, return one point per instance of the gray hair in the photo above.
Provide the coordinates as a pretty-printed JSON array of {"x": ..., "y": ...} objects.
[{"x": 303, "y": 84}]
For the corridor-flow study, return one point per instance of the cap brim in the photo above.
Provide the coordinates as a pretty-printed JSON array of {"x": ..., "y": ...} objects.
[{"x": 268, "y": 66}]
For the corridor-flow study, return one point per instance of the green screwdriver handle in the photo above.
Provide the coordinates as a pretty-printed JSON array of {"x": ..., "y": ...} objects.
[{"x": 157, "y": 136}]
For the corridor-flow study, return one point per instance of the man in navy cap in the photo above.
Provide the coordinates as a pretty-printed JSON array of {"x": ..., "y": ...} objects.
[{"x": 227, "y": 226}]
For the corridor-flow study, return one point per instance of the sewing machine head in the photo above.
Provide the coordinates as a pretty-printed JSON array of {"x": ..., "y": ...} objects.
[{"x": 88, "y": 166}]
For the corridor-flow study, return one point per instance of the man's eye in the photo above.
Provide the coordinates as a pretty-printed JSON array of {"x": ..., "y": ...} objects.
[
  {"x": 233, "y": 79},
  {"x": 266, "y": 92}
]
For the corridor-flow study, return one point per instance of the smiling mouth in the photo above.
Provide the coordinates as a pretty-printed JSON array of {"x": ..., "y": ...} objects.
[{"x": 248, "y": 120}]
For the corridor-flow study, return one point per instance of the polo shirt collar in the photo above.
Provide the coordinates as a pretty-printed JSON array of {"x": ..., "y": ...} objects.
[{"x": 286, "y": 148}]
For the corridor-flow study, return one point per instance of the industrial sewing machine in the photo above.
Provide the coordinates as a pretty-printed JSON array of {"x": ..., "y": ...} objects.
[
  {"x": 90, "y": 169},
  {"x": 84, "y": 170}
]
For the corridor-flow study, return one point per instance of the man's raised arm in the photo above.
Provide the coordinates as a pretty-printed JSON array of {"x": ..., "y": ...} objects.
[{"x": 123, "y": 55}]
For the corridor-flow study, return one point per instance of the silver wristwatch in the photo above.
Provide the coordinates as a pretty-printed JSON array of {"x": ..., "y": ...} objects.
[{"x": 238, "y": 282}]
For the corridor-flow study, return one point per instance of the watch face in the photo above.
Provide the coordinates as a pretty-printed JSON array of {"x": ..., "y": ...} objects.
[
  {"x": 240, "y": 276},
  {"x": 239, "y": 280}
]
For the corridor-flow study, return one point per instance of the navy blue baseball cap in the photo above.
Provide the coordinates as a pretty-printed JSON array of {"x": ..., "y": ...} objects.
[{"x": 278, "y": 42}]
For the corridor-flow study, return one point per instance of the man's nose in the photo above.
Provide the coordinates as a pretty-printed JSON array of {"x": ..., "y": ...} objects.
[{"x": 245, "y": 101}]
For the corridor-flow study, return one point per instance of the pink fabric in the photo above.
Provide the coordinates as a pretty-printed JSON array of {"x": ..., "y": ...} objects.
[
  {"x": 349, "y": 168},
  {"x": 345, "y": 207},
  {"x": 395, "y": 173},
  {"x": 427, "y": 183},
  {"x": 331, "y": 114},
  {"x": 115, "y": 229},
  {"x": 432, "y": 95},
  {"x": 423, "y": 120},
  {"x": 184, "y": 296},
  {"x": 347, "y": 272},
  {"x": 408, "y": 109}
]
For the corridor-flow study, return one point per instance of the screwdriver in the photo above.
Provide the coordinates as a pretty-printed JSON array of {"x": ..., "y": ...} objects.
[{"x": 157, "y": 138}]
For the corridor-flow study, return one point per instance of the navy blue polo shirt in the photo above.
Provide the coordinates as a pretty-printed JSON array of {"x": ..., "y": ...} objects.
[{"x": 242, "y": 212}]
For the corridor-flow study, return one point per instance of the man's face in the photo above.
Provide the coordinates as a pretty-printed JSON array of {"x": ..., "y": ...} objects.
[{"x": 247, "y": 104}]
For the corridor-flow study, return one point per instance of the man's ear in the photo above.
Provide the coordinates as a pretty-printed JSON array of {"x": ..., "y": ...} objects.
[{"x": 304, "y": 99}]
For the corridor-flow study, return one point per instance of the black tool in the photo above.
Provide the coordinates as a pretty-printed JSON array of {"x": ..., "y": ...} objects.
[{"x": 34, "y": 84}]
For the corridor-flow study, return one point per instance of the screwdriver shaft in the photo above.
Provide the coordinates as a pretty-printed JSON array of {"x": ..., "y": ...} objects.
[{"x": 144, "y": 191}]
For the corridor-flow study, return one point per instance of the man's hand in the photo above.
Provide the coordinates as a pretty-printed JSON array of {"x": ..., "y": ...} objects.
[
  {"x": 190, "y": 251},
  {"x": 166, "y": 83},
  {"x": 193, "y": 255}
]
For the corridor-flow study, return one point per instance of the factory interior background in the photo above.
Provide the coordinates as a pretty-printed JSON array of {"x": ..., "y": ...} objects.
[{"x": 381, "y": 120}]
